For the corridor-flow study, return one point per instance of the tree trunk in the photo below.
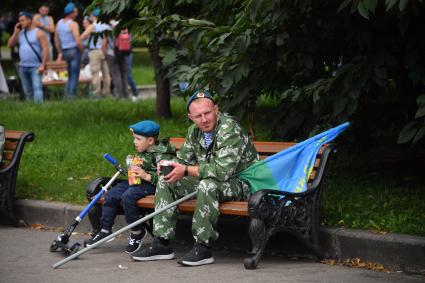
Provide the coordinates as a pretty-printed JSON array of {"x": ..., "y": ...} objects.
[{"x": 163, "y": 108}]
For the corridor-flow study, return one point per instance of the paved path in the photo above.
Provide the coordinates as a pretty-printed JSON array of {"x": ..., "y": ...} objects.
[{"x": 25, "y": 257}]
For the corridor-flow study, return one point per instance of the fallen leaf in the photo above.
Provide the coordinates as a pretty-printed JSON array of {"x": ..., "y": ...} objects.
[
  {"x": 357, "y": 263},
  {"x": 37, "y": 226}
]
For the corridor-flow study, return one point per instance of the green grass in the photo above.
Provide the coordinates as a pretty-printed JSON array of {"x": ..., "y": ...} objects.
[
  {"x": 71, "y": 139},
  {"x": 143, "y": 72},
  {"x": 381, "y": 189}
]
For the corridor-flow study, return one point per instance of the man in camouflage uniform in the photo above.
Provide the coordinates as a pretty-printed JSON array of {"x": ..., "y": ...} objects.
[
  {"x": 123, "y": 196},
  {"x": 215, "y": 149}
]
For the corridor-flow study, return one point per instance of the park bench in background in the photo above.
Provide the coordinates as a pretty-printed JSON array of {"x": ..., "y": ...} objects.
[
  {"x": 58, "y": 67},
  {"x": 269, "y": 211},
  {"x": 14, "y": 147},
  {"x": 53, "y": 79}
]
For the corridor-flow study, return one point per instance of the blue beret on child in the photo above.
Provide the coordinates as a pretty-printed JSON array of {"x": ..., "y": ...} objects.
[
  {"x": 69, "y": 8},
  {"x": 198, "y": 94},
  {"x": 145, "y": 128}
]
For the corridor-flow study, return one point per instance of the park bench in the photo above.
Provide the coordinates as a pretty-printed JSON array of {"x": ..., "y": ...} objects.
[
  {"x": 58, "y": 67},
  {"x": 269, "y": 211},
  {"x": 14, "y": 146}
]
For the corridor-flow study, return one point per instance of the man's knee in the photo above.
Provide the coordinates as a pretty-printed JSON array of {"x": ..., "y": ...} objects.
[{"x": 208, "y": 187}]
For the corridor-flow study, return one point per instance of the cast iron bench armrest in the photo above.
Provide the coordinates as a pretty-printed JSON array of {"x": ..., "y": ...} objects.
[
  {"x": 14, "y": 147},
  {"x": 24, "y": 137}
]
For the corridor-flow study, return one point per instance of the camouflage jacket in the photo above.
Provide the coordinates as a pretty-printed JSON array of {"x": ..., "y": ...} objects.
[
  {"x": 152, "y": 155},
  {"x": 230, "y": 152}
]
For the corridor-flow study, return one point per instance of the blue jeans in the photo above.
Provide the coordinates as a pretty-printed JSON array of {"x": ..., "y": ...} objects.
[
  {"x": 130, "y": 80},
  {"x": 73, "y": 57},
  {"x": 31, "y": 83},
  {"x": 124, "y": 197}
]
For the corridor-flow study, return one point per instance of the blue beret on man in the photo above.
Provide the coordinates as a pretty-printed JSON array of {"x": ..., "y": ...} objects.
[
  {"x": 198, "y": 94},
  {"x": 96, "y": 12},
  {"x": 26, "y": 14},
  {"x": 69, "y": 8},
  {"x": 145, "y": 128}
]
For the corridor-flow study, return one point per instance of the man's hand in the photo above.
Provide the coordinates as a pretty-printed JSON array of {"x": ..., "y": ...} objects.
[
  {"x": 60, "y": 57},
  {"x": 42, "y": 68},
  {"x": 176, "y": 174},
  {"x": 17, "y": 28}
]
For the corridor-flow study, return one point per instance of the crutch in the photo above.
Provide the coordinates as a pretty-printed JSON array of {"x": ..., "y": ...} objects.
[{"x": 147, "y": 217}]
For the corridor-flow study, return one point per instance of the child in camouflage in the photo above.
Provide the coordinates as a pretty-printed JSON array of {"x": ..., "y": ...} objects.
[{"x": 142, "y": 182}]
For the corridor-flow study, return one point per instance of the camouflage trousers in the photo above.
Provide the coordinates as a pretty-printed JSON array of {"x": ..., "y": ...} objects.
[{"x": 210, "y": 193}]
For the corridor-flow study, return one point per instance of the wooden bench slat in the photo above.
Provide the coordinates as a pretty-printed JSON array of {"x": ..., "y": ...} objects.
[
  {"x": 269, "y": 148},
  {"x": 8, "y": 155},
  {"x": 13, "y": 135},
  {"x": 57, "y": 65},
  {"x": 228, "y": 208},
  {"x": 60, "y": 66},
  {"x": 62, "y": 82},
  {"x": 263, "y": 148},
  {"x": 10, "y": 145}
]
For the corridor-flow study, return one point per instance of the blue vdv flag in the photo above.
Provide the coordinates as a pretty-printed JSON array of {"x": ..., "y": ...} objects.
[{"x": 289, "y": 170}]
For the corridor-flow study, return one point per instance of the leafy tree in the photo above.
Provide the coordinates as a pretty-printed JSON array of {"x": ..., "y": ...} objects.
[{"x": 323, "y": 61}]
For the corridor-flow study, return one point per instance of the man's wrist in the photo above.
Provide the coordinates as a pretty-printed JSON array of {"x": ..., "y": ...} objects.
[{"x": 186, "y": 170}]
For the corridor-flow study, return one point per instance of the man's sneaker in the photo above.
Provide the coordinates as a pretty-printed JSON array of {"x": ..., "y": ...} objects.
[
  {"x": 199, "y": 255},
  {"x": 135, "y": 242},
  {"x": 98, "y": 237},
  {"x": 157, "y": 251}
]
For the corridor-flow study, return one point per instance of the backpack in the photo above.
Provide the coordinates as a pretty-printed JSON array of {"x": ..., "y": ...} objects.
[{"x": 123, "y": 43}]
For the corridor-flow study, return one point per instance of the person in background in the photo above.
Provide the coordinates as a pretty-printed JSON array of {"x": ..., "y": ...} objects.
[
  {"x": 3, "y": 26},
  {"x": 43, "y": 21},
  {"x": 68, "y": 44},
  {"x": 130, "y": 80},
  {"x": 33, "y": 53},
  {"x": 97, "y": 50},
  {"x": 117, "y": 66},
  {"x": 87, "y": 21}
]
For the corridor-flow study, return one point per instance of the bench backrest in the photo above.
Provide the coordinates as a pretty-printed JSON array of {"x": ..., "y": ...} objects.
[
  {"x": 266, "y": 149},
  {"x": 14, "y": 142},
  {"x": 57, "y": 66}
]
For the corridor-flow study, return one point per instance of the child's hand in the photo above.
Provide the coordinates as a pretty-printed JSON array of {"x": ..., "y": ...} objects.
[{"x": 139, "y": 172}]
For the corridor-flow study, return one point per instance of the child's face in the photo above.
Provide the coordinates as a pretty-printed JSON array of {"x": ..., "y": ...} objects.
[{"x": 141, "y": 143}]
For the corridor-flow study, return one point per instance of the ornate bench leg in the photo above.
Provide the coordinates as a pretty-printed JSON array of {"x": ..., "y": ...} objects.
[{"x": 259, "y": 238}]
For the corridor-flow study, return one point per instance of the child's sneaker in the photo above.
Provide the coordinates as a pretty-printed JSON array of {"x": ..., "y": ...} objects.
[
  {"x": 98, "y": 237},
  {"x": 135, "y": 242}
]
